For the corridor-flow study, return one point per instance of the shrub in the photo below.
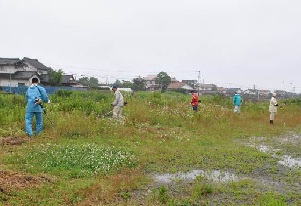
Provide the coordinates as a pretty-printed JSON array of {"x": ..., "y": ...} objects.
[{"x": 64, "y": 93}]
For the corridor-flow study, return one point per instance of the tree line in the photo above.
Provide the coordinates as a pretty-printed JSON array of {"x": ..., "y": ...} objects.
[{"x": 137, "y": 84}]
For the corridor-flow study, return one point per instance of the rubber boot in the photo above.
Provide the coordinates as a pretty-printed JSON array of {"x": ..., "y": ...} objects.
[{"x": 271, "y": 121}]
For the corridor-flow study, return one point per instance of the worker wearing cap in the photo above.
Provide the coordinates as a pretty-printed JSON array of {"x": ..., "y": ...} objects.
[
  {"x": 273, "y": 108},
  {"x": 35, "y": 94},
  {"x": 118, "y": 103}
]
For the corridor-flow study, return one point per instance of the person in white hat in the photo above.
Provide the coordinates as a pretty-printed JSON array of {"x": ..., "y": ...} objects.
[{"x": 273, "y": 108}]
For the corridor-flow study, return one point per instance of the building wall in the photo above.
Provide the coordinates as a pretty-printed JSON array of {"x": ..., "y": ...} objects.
[
  {"x": 13, "y": 83},
  {"x": 7, "y": 69}
]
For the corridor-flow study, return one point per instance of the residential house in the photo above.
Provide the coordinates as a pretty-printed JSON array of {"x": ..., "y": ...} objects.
[
  {"x": 264, "y": 92},
  {"x": 150, "y": 83},
  {"x": 221, "y": 90},
  {"x": 68, "y": 80},
  {"x": 207, "y": 87},
  {"x": 15, "y": 72},
  {"x": 191, "y": 83},
  {"x": 179, "y": 86},
  {"x": 8, "y": 68},
  {"x": 251, "y": 91},
  {"x": 231, "y": 91}
]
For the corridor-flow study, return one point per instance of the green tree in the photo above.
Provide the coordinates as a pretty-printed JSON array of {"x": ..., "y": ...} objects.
[
  {"x": 84, "y": 81},
  {"x": 55, "y": 77},
  {"x": 138, "y": 84},
  {"x": 214, "y": 87},
  {"x": 163, "y": 79},
  {"x": 93, "y": 82},
  {"x": 118, "y": 83},
  {"x": 127, "y": 84},
  {"x": 89, "y": 82}
]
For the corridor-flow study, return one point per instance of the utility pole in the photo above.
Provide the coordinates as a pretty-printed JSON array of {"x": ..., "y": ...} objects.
[
  {"x": 199, "y": 76},
  {"x": 256, "y": 93}
]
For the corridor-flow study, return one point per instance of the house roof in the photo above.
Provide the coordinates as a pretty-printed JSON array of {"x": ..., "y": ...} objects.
[
  {"x": 150, "y": 77},
  {"x": 176, "y": 85},
  {"x": 36, "y": 63},
  {"x": 28, "y": 74},
  {"x": 205, "y": 85},
  {"x": 9, "y": 61},
  {"x": 179, "y": 85},
  {"x": 189, "y": 80},
  {"x": 24, "y": 74},
  {"x": 221, "y": 89},
  {"x": 265, "y": 91},
  {"x": 233, "y": 89}
]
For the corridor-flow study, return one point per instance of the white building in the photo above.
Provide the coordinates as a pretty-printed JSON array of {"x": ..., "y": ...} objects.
[{"x": 15, "y": 72}]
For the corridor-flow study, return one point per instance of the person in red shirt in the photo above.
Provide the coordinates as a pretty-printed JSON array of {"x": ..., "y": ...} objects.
[{"x": 194, "y": 101}]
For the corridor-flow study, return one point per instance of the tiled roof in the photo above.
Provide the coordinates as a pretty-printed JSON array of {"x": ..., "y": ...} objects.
[
  {"x": 150, "y": 77},
  {"x": 9, "y": 61},
  {"x": 176, "y": 85},
  {"x": 24, "y": 74},
  {"x": 36, "y": 63}
]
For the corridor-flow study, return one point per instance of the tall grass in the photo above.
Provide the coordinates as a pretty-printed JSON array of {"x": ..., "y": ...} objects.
[{"x": 160, "y": 133}]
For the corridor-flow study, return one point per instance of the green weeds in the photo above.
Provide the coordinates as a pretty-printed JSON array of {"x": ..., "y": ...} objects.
[
  {"x": 88, "y": 154},
  {"x": 76, "y": 161}
]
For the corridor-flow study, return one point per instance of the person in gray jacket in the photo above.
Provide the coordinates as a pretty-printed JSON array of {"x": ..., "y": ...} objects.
[{"x": 118, "y": 103}]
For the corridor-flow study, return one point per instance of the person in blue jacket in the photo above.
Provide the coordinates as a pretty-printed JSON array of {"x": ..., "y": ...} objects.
[
  {"x": 237, "y": 100},
  {"x": 35, "y": 95}
]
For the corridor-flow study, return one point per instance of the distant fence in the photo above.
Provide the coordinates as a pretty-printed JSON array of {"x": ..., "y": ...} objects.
[{"x": 49, "y": 89}]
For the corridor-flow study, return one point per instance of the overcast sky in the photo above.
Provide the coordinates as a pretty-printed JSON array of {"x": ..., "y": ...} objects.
[{"x": 233, "y": 43}]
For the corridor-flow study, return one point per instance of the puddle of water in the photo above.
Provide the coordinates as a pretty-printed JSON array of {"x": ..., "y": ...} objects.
[
  {"x": 285, "y": 160},
  {"x": 263, "y": 148},
  {"x": 215, "y": 175},
  {"x": 266, "y": 149},
  {"x": 288, "y": 161}
]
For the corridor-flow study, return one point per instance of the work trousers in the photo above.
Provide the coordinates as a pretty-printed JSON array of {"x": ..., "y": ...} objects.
[
  {"x": 117, "y": 112},
  {"x": 28, "y": 122},
  {"x": 237, "y": 108},
  {"x": 272, "y": 115}
]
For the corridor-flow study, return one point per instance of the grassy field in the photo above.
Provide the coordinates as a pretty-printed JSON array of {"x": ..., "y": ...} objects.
[{"x": 162, "y": 153}]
